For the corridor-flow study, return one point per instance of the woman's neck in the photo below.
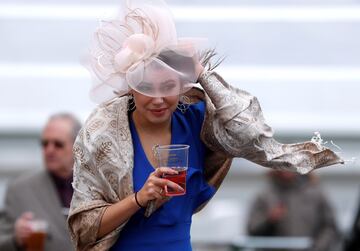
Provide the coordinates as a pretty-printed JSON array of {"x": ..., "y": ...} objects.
[
  {"x": 152, "y": 135},
  {"x": 150, "y": 128}
]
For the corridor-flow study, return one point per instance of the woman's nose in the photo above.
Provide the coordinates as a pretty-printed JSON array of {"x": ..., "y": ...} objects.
[{"x": 158, "y": 100}]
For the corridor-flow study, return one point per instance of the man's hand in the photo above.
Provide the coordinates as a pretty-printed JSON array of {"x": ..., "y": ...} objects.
[{"x": 23, "y": 228}]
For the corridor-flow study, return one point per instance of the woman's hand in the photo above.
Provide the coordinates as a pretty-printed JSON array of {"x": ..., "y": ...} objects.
[
  {"x": 154, "y": 186},
  {"x": 153, "y": 189},
  {"x": 199, "y": 68}
]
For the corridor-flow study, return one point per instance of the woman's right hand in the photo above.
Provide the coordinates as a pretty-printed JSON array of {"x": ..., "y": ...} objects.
[
  {"x": 153, "y": 189},
  {"x": 155, "y": 185}
]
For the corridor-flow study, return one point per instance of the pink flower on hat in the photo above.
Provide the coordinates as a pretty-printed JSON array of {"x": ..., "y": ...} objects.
[{"x": 136, "y": 48}]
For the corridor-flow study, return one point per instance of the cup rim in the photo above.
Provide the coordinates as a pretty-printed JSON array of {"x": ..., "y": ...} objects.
[
  {"x": 39, "y": 225},
  {"x": 173, "y": 147}
]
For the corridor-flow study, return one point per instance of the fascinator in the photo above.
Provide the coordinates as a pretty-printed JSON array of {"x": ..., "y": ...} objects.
[{"x": 128, "y": 51}]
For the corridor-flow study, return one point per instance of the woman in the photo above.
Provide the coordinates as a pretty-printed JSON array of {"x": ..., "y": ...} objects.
[{"x": 145, "y": 75}]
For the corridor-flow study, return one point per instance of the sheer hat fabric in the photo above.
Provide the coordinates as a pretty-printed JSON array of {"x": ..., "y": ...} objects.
[{"x": 126, "y": 52}]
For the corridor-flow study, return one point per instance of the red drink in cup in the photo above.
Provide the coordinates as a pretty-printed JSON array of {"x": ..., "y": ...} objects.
[
  {"x": 175, "y": 157},
  {"x": 36, "y": 240},
  {"x": 179, "y": 179}
]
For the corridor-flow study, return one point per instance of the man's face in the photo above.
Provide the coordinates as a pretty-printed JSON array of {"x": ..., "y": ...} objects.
[{"x": 57, "y": 143}]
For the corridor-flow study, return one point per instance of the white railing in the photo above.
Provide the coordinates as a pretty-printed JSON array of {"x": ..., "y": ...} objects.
[{"x": 250, "y": 243}]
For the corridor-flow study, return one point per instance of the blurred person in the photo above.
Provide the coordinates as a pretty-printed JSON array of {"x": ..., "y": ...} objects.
[
  {"x": 146, "y": 86},
  {"x": 294, "y": 205},
  {"x": 352, "y": 242},
  {"x": 44, "y": 194}
]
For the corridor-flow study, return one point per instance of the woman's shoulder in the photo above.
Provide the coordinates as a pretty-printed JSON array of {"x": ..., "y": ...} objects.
[
  {"x": 107, "y": 121},
  {"x": 192, "y": 111},
  {"x": 108, "y": 110},
  {"x": 105, "y": 140},
  {"x": 192, "y": 115},
  {"x": 198, "y": 107}
]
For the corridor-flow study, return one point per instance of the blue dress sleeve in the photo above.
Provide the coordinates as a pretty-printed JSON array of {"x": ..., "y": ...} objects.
[{"x": 196, "y": 113}]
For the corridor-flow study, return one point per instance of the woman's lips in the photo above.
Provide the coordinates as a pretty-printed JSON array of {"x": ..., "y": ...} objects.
[{"x": 158, "y": 112}]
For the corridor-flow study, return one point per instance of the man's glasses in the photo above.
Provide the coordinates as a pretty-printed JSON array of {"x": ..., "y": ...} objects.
[{"x": 57, "y": 143}]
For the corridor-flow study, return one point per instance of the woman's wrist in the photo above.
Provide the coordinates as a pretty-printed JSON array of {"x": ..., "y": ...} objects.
[
  {"x": 204, "y": 76},
  {"x": 138, "y": 202}
]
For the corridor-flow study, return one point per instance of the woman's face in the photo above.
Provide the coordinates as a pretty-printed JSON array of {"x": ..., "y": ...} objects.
[{"x": 157, "y": 110}]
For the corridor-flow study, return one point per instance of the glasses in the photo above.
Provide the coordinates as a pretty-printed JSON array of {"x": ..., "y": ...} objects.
[{"x": 57, "y": 143}]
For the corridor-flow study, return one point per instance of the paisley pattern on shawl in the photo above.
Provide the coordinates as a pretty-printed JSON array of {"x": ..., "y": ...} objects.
[{"x": 102, "y": 172}]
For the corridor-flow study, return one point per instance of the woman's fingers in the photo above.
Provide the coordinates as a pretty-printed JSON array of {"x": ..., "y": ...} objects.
[
  {"x": 162, "y": 182},
  {"x": 155, "y": 194},
  {"x": 155, "y": 185},
  {"x": 160, "y": 171},
  {"x": 174, "y": 186}
]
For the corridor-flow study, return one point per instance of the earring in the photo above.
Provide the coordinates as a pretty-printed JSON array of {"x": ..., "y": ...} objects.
[
  {"x": 131, "y": 103},
  {"x": 183, "y": 104}
]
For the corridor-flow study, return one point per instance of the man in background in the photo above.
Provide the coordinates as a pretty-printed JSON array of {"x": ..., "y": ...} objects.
[
  {"x": 44, "y": 194},
  {"x": 293, "y": 205},
  {"x": 353, "y": 239}
]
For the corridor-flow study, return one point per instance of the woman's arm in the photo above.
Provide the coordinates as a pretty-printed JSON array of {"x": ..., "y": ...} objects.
[
  {"x": 118, "y": 213},
  {"x": 234, "y": 124}
]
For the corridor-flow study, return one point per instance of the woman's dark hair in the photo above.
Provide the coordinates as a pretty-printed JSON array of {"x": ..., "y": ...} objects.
[
  {"x": 177, "y": 61},
  {"x": 186, "y": 64}
]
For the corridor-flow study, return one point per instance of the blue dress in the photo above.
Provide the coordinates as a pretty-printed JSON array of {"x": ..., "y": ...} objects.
[{"x": 168, "y": 228}]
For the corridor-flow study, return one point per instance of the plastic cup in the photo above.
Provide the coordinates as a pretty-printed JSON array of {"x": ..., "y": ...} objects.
[
  {"x": 174, "y": 156},
  {"x": 36, "y": 240}
]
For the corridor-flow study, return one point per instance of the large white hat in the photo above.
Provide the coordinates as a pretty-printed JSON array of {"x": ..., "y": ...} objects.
[{"x": 127, "y": 50}]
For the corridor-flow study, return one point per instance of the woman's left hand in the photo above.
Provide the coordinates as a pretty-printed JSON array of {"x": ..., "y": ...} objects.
[{"x": 198, "y": 69}]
